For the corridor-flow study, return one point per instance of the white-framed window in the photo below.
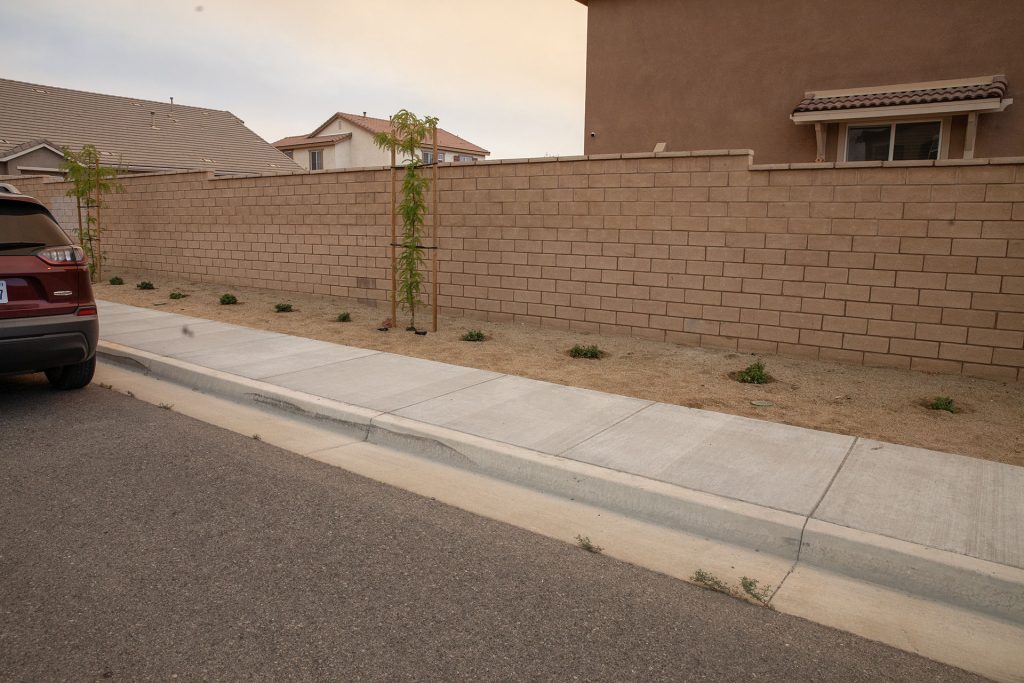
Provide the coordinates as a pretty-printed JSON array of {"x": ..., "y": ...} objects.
[
  {"x": 440, "y": 156},
  {"x": 892, "y": 141},
  {"x": 428, "y": 156},
  {"x": 316, "y": 160}
]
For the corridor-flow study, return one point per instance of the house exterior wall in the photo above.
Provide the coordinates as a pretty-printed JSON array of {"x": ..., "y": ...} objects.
[
  {"x": 36, "y": 159},
  {"x": 915, "y": 265},
  {"x": 706, "y": 74}
]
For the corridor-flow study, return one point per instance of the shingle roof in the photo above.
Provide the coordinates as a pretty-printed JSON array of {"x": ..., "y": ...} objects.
[
  {"x": 994, "y": 89},
  {"x": 307, "y": 141},
  {"x": 445, "y": 139},
  {"x": 140, "y": 134}
]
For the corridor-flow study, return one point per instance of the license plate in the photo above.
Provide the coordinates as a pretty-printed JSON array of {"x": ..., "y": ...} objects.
[{"x": 3, "y": 291}]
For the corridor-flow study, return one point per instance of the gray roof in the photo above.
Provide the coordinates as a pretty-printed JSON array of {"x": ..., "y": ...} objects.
[{"x": 139, "y": 134}]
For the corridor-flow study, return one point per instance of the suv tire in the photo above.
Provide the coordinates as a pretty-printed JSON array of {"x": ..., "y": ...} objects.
[{"x": 72, "y": 376}]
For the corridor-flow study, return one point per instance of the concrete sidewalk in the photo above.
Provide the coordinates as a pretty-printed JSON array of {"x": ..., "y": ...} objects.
[{"x": 941, "y": 526}]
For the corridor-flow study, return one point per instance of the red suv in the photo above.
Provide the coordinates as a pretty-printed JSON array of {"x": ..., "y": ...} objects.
[{"x": 48, "y": 320}]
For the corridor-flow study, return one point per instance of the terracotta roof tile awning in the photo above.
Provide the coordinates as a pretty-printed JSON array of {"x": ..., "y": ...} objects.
[
  {"x": 302, "y": 141},
  {"x": 967, "y": 95}
]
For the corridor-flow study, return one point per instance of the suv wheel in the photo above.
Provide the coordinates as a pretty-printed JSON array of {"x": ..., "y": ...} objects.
[{"x": 72, "y": 376}]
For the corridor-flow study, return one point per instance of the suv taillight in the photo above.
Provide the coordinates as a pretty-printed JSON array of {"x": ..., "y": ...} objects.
[{"x": 62, "y": 256}]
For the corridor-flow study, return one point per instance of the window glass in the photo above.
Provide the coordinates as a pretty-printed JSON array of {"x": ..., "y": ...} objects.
[
  {"x": 428, "y": 156},
  {"x": 21, "y": 222},
  {"x": 916, "y": 141},
  {"x": 316, "y": 159},
  {"x": 867, "y": 143}
]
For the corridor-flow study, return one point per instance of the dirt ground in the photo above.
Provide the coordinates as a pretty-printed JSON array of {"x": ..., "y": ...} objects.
[{"x": 875, "y": 403}]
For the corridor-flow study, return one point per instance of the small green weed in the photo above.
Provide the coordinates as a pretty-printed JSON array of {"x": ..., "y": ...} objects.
[
  {"x": 753, "y": 374},
  {"x": 942, "y": 403},
  {"x": 580, "y": 351},
  {"x": 710, "y": 581},
  {"x": 228, "y": 299},
  {"x": 257, "y": 437},
  {"x": 145, "y": 284},
  {"x": 166, "y": 406},
  {"x": 345, "y": 317},
  {"x": 116, "y": 280},
  {"x": 474, "y": 336},
  {"x": 283, "y": 308},
  {"x": 585, "y": 543},
  {"x": 177, "y": 295},
  {"x": 761, "y": 594}
]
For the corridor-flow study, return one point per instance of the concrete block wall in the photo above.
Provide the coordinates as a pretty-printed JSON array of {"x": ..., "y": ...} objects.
[{"x": 916, "y": 265}]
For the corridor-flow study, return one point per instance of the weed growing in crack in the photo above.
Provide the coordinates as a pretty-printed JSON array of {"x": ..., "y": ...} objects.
[
  {"x": 710, "y": 581},
  {"x": 761, "y": 594},
  {"x": 585, "y": 543}
]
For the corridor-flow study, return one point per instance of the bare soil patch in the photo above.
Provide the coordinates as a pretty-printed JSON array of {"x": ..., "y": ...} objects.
[{"x": 876, "y": 403}]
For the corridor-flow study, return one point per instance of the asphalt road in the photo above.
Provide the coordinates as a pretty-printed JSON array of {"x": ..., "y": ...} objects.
[{"x": 138, "y": 544}]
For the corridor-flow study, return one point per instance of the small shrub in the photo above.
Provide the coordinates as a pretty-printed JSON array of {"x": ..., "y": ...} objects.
[
  {"x": 585, "y": 543},
  {"x": 591, "y": 351},
  {"x": 228, "y": 299},
  {"x": 116, "y": 280},
  {"x": 283, "y": 308},
  {"x": 754, "y": 374},
  {"x": 344, "y": 317},
  {"x": 145, "y": 284},
  {"x": 474, "y": 336},
  {"x": 942, "y": 403},
  {"x": 177, "y": 295}
]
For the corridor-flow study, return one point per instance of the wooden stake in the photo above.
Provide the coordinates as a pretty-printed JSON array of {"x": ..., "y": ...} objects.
[
  {"x": 394, "y": 241},
  {"x": 433, "y": 242},
  {"x": 98, "y": 252}
]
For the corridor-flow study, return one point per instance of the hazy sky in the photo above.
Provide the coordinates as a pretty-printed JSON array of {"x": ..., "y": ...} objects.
[{"x": 508, "y": 75}]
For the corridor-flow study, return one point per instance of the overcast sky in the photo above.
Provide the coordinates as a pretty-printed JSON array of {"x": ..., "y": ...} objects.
[{"x": 506, "y": 75}]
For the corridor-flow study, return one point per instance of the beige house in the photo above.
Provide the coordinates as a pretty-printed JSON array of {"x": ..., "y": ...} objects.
[
  {"x": 346, "y": 141},
  {"x": 798, "y": 81}
]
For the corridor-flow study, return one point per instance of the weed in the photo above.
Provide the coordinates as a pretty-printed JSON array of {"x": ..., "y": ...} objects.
[
  {"x": 753, "y": 374},
  {"x": 178, "y": 295},
  {"x": 474, "y": 336},
  {"x": 591, "y": 351},
  {"x": 105, "y": 385},
  {"x": 761, "y": 594},
  {"x": 942, "y": 403},
  {"x": 129, "y": 394},
  {"x": 228, "y": 299},
  {"x": 585, "y": 543},
  {"x": 145, "y": 284},
  {"x": 283, "y": 308},
  {"x": 710, "y": 581},
  {"x": 257, "y": 437},
  {"x": 166, "y": 406},
  {"x": 116, "y": 280},
  {"x": 345, "y": 317}
]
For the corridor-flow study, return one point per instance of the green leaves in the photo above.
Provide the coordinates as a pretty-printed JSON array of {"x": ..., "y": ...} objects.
[{"x": 408, "y": 133}]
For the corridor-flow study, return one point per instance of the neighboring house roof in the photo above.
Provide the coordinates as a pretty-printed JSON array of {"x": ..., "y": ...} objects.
[
  {"x": 986, "y": 88},
  {"x": 133, "y": 133},
  {"x": 302, "y": 141},
  {"x": 26, "y": 147},
  {"x": 445, "y": 139}
]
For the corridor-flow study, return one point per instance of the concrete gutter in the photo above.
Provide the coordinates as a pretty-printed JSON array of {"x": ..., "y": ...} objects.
[{"x": 941, "y": 575}]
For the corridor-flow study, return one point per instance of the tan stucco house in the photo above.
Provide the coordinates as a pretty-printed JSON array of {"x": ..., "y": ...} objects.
[
  {"x": 346, "y": 141},
  {"x": 137, "y": 136},
  {"x": 798, "y": 81}
]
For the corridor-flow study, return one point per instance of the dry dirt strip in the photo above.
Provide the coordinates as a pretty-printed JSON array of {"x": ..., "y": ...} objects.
[{"x": 933, "y": 524}]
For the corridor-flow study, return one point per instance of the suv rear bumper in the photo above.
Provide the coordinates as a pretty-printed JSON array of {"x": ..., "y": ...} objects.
[{"x": 35, "y": 344}]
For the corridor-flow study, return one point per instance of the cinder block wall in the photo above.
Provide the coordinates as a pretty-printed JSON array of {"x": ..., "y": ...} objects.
[{"x": 913, "y": 265}]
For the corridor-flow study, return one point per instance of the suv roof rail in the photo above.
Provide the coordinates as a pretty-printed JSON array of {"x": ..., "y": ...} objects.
[{"x": 8, "y": 188}]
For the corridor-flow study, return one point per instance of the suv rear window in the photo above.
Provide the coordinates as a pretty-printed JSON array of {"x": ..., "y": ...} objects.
[{"x": 26, "y": 227}]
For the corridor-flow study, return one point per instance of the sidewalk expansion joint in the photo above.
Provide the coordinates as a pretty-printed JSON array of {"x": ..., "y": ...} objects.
[
  {"x": 605, "y": 429},
  {"x": 807, "y": 518}
]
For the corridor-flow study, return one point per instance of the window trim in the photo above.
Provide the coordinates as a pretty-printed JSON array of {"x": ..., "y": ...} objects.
[
  {"x": 319, "y": 151},
  {"x": 944, "y": 122}
]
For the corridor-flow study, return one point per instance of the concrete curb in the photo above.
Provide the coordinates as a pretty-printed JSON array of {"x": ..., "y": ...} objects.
[{"x": 943, "y": 576}]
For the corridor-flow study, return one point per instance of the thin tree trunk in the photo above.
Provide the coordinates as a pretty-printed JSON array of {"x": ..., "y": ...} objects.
[{"x": 99, "y": 227}]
